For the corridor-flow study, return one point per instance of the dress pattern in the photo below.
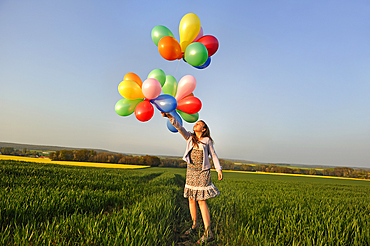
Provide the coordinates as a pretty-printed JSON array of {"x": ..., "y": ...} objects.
[{"x": 198, "y": 182}]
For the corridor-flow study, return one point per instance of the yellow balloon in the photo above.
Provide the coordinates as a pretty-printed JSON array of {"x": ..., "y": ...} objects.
[
  {"x": 130, "y": 90},
  {"x": 188, "y": 29}
]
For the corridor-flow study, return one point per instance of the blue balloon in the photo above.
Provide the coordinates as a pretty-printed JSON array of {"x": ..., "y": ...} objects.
[
  {"x": 206, "y": 64},
  {"x": 177, "y": 117},
  {"x": 165, "y": 103}
]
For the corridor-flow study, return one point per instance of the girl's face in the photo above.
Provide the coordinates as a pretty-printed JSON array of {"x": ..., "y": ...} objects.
[{"x": 199, "y": 127}]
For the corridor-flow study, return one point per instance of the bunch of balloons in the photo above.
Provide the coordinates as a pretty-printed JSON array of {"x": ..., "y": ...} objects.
[
  {"x": 193, "y": 47},
  {"x": 177, "y": 98}
]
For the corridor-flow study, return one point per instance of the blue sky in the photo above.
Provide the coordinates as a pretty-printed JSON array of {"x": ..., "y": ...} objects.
[{"x": 290, "y": 82}]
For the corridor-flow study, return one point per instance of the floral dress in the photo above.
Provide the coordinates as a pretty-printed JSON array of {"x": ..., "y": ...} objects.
[{"x": 198, "y": 182}]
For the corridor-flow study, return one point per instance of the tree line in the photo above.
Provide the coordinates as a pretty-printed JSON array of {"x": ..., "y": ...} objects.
[
  {"x": 84, "y": 155},
  {"x": 154, "y": 161},
  {"x": 20, "y": 152}
]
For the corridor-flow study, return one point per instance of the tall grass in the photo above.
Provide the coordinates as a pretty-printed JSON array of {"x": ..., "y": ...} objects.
[
  {"x": 291, "y": 211},
  {"x": 45, "y": 204}
]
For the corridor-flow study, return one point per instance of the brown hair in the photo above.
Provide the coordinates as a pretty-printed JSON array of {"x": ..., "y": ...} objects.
[{"x": 206, "y": 133}]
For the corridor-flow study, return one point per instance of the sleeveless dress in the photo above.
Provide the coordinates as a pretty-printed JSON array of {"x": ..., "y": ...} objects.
[{"x": 198, "y": 182}]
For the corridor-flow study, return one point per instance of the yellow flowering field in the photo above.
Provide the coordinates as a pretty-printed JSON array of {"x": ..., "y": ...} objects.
[
  {"x": 298, "y": 175},
  {"x": 70, "y": 163}
]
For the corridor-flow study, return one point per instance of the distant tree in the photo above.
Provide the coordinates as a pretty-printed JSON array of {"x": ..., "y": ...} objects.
[
  {"x": 312, "y": 171},
  {"x": 328, "y": 172},
  {"x": 153, "y": 161},
  {"x": 261, "y": 168},
  {"x": 227, "y": 165},
  {"x": 347, "y": 172},
  {"x": 245, "y": 167},
  {"x": 92, "y": 153},
  {"x": 361, "y": 174},
  {"x": 7, "y": 150},
  {"x": 82, "y": 155},
  {"x": 66, "y": 155},
  {"x": 51, "y": 156}
]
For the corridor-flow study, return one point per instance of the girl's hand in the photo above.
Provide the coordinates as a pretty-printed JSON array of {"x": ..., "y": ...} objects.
[
  {"x": 168, "y": 115},
  {"x": 220, "y": 176}
]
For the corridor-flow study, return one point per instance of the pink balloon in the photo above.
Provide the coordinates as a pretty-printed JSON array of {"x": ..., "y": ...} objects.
[
  {"x": 200, "y": 34},
  {"x": 151, "y": 88},
  {"x": 185, "y": 86}
]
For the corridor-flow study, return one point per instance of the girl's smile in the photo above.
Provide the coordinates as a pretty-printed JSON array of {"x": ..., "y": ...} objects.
[{"x": 199, "y": 127}]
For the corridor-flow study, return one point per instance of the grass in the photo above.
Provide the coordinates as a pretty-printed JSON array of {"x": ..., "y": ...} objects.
[
  {"x": 48, "y": 204},
  {"x": 45, "y": 204},
  {"x": 291, "y": 210}
]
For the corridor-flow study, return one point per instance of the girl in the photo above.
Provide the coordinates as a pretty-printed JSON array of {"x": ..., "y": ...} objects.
[{"x": 198, "y": 187}]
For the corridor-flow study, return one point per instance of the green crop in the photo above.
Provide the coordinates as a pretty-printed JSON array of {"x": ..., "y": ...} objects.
[
  {"x": 281, "y": 210},
  {"x": 45, "y": 204}
]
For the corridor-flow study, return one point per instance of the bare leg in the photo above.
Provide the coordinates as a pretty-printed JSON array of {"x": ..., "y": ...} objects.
[
  {"x": 193, "y": 211},
  {"x": 206, "y": 217}
]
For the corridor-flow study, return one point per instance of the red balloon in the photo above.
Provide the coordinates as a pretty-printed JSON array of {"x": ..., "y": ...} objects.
[
  {"x": 210, "y": 42},
  {"x": 144, "y": 111},
  {"x": 189, "y": 104},
  {"x": 169, "y": 48}
]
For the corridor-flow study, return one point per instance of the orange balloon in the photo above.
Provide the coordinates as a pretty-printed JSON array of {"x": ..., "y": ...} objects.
[
  {"x": 133, "y": 77},
  {"x": 169, "y": 48}
]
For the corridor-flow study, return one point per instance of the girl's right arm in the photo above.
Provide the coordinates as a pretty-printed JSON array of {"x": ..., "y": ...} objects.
[{"x": 178, "y": 126}]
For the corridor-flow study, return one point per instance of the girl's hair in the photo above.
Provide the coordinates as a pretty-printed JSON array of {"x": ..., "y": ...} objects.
[{"x": 206, "y": 133}]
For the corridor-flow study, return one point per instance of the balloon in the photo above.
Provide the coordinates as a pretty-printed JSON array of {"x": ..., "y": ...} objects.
[
  {"x": 159, "y": 32},
  {"x": 170, "y": 86},
  {"x": 196, "y": 54},
  {"x": 144, "y": 111},
  {"x": 186, "y": 86},
  {"x": 188, "y": 29},
  {"x": 177, "y": 117},
  {"x": 190, "y": 118},
  {"x": 190, "y": 95},
  {"x": 206, "y": 64},
  {"x": 165, "y": 103},
  {"x": 125, "y": 107},
  {"x": 130, "y": 90},
  {"x": 200, "y": 34},
  {"x": 210, "y": 42},
  {"x": 169, "y": 48},
  {"x": 189, "y": 105},
  {"x": 159, "y": 75},
  {"x": 133, "y": 77},
  {"x": 151, "y": 88}
]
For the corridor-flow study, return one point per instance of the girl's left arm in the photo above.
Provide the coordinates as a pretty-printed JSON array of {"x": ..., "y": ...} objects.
[{"x": 215, "y": 159}]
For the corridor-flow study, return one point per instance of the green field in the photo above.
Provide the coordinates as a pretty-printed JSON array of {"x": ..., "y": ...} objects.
[{"x": 46, "y": 204}]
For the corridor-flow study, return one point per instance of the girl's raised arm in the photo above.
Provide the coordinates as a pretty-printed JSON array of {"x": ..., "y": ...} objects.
[{"x": 177, "y": 125}]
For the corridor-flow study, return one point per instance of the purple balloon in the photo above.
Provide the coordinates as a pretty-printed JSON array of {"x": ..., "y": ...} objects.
[{"x": 165, "y": 103}]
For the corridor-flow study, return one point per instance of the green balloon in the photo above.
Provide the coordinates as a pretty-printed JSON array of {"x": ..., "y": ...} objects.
[
  {"x": 125, "y": 107},
  {"x": 159, "y": 75},
  {"x": 190, "y": 118},
  {"x": 159, "y": 32},
  {"x": 196, "y": 54},
  {"x": 170, "y": 86}
]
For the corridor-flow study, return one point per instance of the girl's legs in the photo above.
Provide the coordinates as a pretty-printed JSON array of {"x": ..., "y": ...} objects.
[
  {"x": 193, "y": 211},
  {"x": 206, "y": 217}
]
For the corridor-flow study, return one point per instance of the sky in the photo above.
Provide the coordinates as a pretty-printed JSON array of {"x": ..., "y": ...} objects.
[{"x": 290, "y": 82}]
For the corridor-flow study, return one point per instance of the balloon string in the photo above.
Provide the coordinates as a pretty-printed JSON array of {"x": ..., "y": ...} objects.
[{"x": 177, "y": 68}]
